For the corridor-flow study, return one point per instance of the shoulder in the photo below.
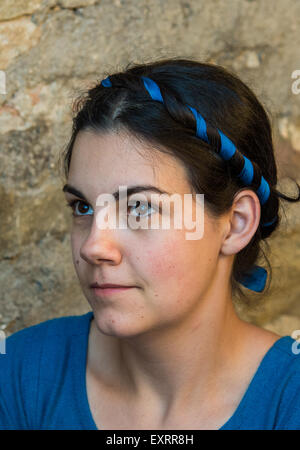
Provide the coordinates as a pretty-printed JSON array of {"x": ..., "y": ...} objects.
[
  {"x": 284, "y": 369},
  {"x": 58, "y": 325},
  {"x": 24, "y": 347},
  {"x": 274, "y": 351},
  {"x": 276, "y": 362},
  {"x": 35, "y": 358},
  {"x": 287, "y": 350},
  {"x": 282, "y": 360}
]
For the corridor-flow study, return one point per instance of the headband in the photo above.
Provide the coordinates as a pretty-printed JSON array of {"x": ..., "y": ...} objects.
[{"x": 256, "y": 278}]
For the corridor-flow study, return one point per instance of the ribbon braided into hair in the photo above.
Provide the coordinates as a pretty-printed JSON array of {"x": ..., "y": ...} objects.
[{"x": 256, "y": 278}]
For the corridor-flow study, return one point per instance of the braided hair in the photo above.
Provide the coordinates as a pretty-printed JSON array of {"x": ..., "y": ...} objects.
[{"x": 226, "y": 103}]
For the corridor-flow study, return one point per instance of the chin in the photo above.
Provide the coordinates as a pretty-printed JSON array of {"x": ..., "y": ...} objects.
[{"x": 118, "y": 325}]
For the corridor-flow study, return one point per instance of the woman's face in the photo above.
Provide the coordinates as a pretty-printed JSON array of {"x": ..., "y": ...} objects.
[{"x": 171, "y": 274}]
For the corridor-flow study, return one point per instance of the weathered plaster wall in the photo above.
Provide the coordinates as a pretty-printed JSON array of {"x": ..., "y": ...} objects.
[{"x": 49, "y": 50}]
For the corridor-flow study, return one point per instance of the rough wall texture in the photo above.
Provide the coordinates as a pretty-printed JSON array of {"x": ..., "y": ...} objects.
[{"x": 49, "y": 51}]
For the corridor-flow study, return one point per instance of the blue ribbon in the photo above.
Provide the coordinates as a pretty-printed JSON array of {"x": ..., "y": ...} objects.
[
  {"x": 256, "y": 278},
  {"x": 106, "y": 82}
]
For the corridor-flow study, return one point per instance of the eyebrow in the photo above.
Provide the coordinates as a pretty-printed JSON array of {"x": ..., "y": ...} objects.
[{"x": 130, "y": 190}]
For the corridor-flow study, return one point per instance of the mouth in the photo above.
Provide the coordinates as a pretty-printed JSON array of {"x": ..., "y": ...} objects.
[
  {"x": 109, "y": 288},
  {"x": 109, "y": 285},
  {"x": 100, "y": 291}
]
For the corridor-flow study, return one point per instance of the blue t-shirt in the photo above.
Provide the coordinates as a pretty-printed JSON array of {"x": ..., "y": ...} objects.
[{"x": 43, "y": 385}]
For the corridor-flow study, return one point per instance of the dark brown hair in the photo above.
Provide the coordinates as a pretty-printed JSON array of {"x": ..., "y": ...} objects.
[{"x": 225, "y": 102}]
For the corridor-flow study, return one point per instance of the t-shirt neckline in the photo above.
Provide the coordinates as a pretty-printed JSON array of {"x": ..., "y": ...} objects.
[
  {"x": 82, "y": 387},
  {"x": 252, "y": 385}
]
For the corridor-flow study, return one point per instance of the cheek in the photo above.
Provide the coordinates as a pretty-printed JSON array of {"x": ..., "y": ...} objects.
[
  {"x": 164, "y": 262},
  {"x": 180, "y": 265}
]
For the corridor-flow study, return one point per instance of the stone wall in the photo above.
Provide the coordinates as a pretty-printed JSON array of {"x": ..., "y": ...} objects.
[{"x": 50, "y": 50}]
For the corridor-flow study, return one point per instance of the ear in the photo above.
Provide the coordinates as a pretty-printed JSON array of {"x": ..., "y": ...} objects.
[{"x": 242, "y": 223}]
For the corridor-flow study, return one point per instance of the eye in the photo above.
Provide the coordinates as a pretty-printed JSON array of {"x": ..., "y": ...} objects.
[
  {"x": 142, "y": 207},
  {"x": 80, "y": 208}
]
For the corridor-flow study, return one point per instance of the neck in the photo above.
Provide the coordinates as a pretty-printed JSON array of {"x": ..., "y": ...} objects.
[{"x": 176, "y": 366}]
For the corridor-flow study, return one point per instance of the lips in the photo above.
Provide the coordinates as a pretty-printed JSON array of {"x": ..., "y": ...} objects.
[
  {"x": 109, "y": 285},
  {"x": 108, "y": 289}
]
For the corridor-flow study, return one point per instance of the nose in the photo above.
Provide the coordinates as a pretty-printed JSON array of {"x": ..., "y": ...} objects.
[{"x": 101, "y": 245}]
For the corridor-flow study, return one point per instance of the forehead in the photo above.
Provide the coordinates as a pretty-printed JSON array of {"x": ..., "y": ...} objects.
[{"x": 102, "y": 162}]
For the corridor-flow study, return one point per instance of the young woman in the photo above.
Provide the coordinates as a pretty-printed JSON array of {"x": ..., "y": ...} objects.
[{"x": 163, "y": 347}]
